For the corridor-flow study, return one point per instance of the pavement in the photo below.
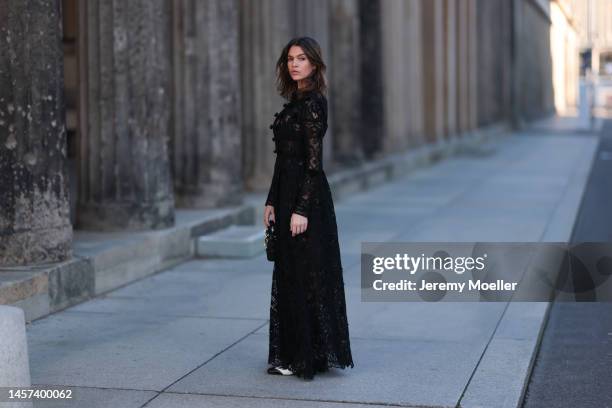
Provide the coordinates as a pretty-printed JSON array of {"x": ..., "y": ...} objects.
[
  {"x": 196, "y": 335},
  {"x": 571, "y": 122}
]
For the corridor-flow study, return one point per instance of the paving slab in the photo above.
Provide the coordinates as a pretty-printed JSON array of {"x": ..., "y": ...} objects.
[
  {"x": 195, "y": 288},
  {"x": 176, "y": 400},
  {"x": 124, "y": 350},
  {"x": 420, "y": 321},
  {"x": 99, "y": 398},
  {"x": 427, "y": 373}
]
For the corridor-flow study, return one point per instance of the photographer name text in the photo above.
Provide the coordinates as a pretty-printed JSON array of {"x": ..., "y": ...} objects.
[{"x": 478, "y": 285}]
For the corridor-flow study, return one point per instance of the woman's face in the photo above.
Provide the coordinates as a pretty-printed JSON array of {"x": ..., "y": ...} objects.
[{"x": 298, "y": 64}]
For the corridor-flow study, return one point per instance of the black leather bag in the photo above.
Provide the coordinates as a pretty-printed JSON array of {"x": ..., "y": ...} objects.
[{"x": 270, "y": 242}]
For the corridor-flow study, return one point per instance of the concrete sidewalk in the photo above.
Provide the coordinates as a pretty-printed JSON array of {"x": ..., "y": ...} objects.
[{"x": 196, "y": 335}]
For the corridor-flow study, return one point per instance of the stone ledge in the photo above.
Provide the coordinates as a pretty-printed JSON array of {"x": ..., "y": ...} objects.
[
  {"x": 370, "y": 174},
  {"x": 236, "y": 241},
  {"x": 104, "y": 261}
]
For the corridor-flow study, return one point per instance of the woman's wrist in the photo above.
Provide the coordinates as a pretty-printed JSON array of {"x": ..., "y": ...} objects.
[{"x": 301, "y": 210}]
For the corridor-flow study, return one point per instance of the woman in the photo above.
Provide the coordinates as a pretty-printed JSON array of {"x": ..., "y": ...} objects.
[{"x": 308, "y": 322}]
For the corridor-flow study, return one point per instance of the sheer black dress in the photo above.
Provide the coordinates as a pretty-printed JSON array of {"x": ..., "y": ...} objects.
[{"x": 308, "y": 322}]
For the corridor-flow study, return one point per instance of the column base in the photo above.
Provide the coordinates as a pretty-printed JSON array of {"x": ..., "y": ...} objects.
[
  {"x": 38, "y": 246},
  {"x": 126, "y": 216},
  {"x": 208, "y": 196}
]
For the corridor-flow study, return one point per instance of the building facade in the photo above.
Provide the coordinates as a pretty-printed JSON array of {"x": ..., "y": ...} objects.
[{"x": 594, "y": 22}]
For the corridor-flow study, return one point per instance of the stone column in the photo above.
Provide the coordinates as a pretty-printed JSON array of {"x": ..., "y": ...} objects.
[
  {"x": 536, "y": 89},
  {"x": 415, "y": 126},
  {"x": 265, "y": 30},
  {"x": 311, "y": 18},
  {"x": 345, "y": 78},
  {"x": 451, "y": 83},
  {"x": 473, "y": 69},
  {"x": 517, "y": 63},
  {"x": 487, "y": 44},
  {"x": 463, "y": 58},
  {"x": 124, "y": 172},
  {"x": 493, "y": 60},
  {"x": 506, "y": 60},
  {"x": 433, "y": 69},
  {"x": 206, "y": 144},
  {"x": 371, "y": 78},
  {"x": 402, "y": 74},
  {"x": 34, "y": 206}
]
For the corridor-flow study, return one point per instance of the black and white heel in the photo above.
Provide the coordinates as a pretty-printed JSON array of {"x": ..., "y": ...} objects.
[{"x": 279, "y": 371}]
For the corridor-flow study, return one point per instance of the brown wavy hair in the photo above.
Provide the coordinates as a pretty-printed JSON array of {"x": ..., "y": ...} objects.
[{"x": 286, "y": 85}]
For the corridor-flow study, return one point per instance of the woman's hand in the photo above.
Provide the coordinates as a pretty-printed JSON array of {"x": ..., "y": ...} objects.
[
  {"x": 299, "y": 223},
  {"x": 269, "y": 215}
]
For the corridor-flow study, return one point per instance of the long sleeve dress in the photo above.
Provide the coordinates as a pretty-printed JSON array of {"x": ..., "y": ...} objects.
[{"x": 308, "y": 321}]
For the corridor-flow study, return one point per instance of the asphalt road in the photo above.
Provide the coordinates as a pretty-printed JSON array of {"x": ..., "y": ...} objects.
[{"x": 573, "y": 367}]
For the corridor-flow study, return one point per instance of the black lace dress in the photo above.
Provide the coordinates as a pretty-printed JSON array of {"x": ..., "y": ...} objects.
[{"x": 308, "y": 322}]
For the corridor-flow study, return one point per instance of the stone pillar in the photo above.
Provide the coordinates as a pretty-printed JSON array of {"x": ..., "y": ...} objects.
[
  {"x": 34, "y": 206},
  {"x": 124, "y": 172},
  {"x": 345, "y": 54},
  {"x": 402, "y": 74},
  {"x": 517, "y": 64},
  {"x": 415, "y": 127},
  {"x": 206, "y": 144},
  {"x": 536, "y": 88},
  {"x": 371, "y": 78},
  {"x": 265, "y": 30},
  {"x": 451, "y": 68},
  {"x": 311, "y": 18},
  {"x": 487, "y": 56},
  {"x": 433, "y": 69},
  {"x": 493, "y": 60},
  {"x": 463, "y": 58},
  {"x": 506, "y": 60},
  {"x": 473, "y": 69}
]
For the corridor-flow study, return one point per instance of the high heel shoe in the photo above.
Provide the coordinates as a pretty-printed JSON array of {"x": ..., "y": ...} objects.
[{"x": 279, "y": 371}]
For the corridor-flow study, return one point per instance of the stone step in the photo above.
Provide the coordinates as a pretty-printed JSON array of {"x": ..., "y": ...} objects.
[
  {"x": 104, "y": 261},
  {"x": 235, "y": 241}
]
